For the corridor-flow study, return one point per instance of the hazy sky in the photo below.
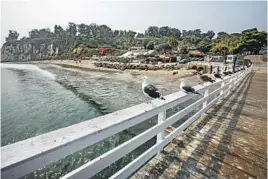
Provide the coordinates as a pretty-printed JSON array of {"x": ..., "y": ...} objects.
[{"x": 229, "y": 16}]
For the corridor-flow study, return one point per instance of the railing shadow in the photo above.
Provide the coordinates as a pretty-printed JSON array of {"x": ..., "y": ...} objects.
[
  {"x": 222, "y": 148},
  {"x": 190, "y": 164},
  {"x": 212, "y": 171}
]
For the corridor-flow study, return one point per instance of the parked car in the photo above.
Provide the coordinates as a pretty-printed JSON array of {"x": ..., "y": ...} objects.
[
  {"x": 263, "y": 51},
  {"x": 183, "y": 61},
  {"x": 238, "y": 67}
]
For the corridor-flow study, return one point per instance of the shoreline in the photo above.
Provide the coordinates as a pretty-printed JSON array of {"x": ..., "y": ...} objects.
[{"x": 87, "y": 65}]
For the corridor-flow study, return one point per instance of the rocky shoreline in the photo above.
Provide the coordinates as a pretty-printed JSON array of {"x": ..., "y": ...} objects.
[
  {"x": 123, "y": 66},
  {"x": 145, "y": 67}
]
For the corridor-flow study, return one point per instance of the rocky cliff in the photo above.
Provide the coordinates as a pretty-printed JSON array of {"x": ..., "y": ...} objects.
[{"x": 31, "y": 49}]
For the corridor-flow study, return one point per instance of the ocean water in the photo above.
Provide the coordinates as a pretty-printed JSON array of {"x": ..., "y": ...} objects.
[{"x": 41, "y": 98}]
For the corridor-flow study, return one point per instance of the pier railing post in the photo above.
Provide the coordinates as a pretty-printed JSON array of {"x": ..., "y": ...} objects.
[
  {"x": 161, "y": 134},
  {"x": 229, "y": 87},
  {"x": 236, "y": 78},
  {"x": 234, "y": 82},
  {"x": 222, "y": 85},
  {"x": 205, "y": 95}
]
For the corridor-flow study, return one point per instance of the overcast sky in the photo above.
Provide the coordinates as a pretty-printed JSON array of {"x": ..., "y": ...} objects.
[{"x": 229, "y": 16}]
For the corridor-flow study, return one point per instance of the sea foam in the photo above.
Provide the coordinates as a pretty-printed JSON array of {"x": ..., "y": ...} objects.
[{"x": 29, "y": 67}]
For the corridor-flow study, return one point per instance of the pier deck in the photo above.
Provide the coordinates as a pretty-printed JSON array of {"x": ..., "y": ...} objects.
[{"x": 229, "y": 141}]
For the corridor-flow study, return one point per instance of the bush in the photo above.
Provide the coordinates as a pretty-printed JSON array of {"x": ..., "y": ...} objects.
[
  {"x": 173, "y": 59},
  {"x": 150, "y": 45}
]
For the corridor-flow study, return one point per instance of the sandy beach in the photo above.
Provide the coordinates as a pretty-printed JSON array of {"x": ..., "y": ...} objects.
[{"x": 88, "y": 65}]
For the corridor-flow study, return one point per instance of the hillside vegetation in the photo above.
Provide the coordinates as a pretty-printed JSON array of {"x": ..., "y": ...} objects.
[{"x": 84, "y": 40}]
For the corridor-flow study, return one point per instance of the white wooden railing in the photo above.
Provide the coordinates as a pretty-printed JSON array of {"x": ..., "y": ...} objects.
[{"x": 26, "y": 156}]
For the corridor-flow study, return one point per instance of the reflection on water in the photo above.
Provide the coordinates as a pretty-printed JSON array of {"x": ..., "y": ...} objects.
[{"x": 43, "y": 98}]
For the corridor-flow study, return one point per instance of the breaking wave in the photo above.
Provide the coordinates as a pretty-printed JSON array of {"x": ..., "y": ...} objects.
[{"x": 29, "y": 67}]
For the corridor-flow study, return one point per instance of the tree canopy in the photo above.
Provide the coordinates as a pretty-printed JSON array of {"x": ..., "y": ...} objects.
[
  {"x": 249, "y": 40},
  {"x": 13, "y": 35},
  {"x": 94, "y": 36}
]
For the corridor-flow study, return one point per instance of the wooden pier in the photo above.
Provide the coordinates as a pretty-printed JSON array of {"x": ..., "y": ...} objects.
[
  {"x": 229, "y": 141},
  {"x": 224, "y": 138}
]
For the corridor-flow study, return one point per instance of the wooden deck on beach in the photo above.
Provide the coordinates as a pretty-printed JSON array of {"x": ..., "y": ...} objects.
[{"x": 229, "y": 141}]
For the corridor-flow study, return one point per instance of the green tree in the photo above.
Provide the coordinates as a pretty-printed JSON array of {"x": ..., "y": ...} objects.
[
  {"x": 105, "y": 31},
  {"x": 184, "y": 49},
  {"x": 175, "y": 32},
  {"x": 163, "y": 48},
  {"x": 205, "y": 45},
  {"x": 24, "y": 38},
  {"x": 227, "y": 43},
  {"x": 94, "y": 30},
  {"x": 13, "y": 35},
  {"x": 210, "y": 34},
  {"x": 222, "y": 35},
  {"x": 130, "y": 38},
  {"x": 33, "y": 33},
  {"x": 72, "y": 29},
  {"x": 234, "y": 43},
  {"x": 116, "y": 33},
  {"x": 150, "y": 45},
  {"x": 140, "y": 35},
  {"x": 184, "y": 32},
  {"x": 83, "y": 29},
  {"x": 263, "y": 38},
  {"x": 153, "y": 31},
  {"x": 92, "y": 43},
  {"x": 145, "y": 42},
  {"x": 220, "y": 48},
  {"x": 58, "y": 30},
  {"x": 252, "y": 40},
  {"x": 164, "y": 31},
  {"x": 172, "y": 41},
  {"x": 42, "y": 33},
  {"x": 197, "y": 32}
]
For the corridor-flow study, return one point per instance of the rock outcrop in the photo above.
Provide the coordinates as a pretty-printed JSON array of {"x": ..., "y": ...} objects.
[{"x": 31, "y": 49}]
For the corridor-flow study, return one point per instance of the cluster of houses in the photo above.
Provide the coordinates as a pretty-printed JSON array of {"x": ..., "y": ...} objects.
[
  {"x": 141, "y": 55},
  {"x": 194, "y": 55}
]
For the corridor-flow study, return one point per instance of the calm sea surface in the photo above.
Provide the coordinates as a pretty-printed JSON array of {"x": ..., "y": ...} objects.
[{"x": 41, "y": 98}]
